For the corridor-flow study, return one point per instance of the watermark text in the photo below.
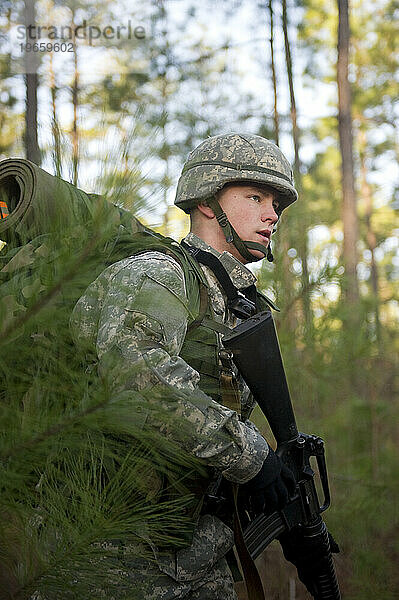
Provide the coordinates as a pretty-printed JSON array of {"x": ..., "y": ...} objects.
[{"x": 84, "y": 31}]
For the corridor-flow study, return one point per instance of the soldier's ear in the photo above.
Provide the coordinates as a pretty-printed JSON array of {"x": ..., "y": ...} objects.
[{"x": 205, "y": 209}]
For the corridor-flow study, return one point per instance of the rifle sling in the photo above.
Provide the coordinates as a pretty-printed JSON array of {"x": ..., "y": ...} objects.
[{"x": 252, "y": 578}]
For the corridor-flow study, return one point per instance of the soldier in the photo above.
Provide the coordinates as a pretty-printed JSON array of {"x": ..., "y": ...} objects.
[{"x": 160, "y": 314}]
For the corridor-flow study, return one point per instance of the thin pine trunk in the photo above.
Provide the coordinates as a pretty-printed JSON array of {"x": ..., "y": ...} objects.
[
  {"x": 32, "y": 149},
  {"x": 371, "y": 238},
  {"x": 75, "y": 104},
  {"x": 54, "y": 122},
  {"x": 164, "y": 116},
  {"x": 302, "y": 230},
  {"x": 371, "y": 392},
  {"x": 349, "y": 212},
  {"x": 293, "y": 110},
  {"x": 283, "y": 281},
  {"x": 274, "y": 78}
]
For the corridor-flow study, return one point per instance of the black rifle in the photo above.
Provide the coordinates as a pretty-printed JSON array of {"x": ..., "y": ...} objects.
[{"x": 299, "y": 526}]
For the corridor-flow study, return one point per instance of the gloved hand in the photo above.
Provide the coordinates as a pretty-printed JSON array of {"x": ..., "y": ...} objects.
[{"x": 270, "y": 489}]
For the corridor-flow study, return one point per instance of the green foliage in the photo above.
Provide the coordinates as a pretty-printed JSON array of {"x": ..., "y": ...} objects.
[
  {"x": 343, "y": 387},
  {"x": 79, "y": 472},
  {"x": 162, "y": 97}
]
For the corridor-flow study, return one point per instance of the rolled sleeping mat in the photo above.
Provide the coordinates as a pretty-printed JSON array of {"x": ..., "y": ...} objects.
[{"x": 33, "y": 202}]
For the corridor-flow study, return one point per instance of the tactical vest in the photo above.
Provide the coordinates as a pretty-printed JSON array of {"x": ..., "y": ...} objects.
[{"x": 201, "y": 347}]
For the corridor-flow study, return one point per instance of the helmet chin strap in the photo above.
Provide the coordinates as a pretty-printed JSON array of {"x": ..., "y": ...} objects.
[{"x": 232, "y": 236}]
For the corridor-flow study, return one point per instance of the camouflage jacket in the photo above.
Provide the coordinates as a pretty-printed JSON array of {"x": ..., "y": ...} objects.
[{"x": 135, "y": 316}]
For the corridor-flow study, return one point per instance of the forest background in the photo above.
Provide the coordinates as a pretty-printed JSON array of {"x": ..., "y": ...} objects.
[{"x": 120, "y": 115}]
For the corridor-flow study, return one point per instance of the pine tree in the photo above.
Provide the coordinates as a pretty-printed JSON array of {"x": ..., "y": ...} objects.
[
  {"x": 79, "y": 470},
  {"x": 349, "y": 210},
  {"x": 31, "y": 82}
]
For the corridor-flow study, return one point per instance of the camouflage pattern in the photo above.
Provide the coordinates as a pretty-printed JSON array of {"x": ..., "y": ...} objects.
[
  {"x": 234, "y": 157},
  {"x": 241, "y": 278},
  {"x": 199, "y": 572},
  {"x": 134, "y": 317},
  {"x": 239, "y": 274}
]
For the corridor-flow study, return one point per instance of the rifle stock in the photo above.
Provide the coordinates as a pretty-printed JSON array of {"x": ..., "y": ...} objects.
[{"x": 299, "y": 526}]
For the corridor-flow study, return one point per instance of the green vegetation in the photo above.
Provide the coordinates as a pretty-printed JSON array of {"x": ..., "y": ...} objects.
[{"x": 138, "y": 121}]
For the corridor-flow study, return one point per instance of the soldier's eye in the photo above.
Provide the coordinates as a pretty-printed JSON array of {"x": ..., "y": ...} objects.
[{"x": 256, "y": 198}]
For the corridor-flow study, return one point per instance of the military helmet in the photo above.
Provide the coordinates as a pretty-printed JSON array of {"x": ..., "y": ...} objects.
[{"x": 234, "y": 157}]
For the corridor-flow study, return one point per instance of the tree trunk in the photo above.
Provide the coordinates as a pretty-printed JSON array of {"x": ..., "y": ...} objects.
[
  {"x": 373, "y": 390},
  {"x": 302, "y": 242},
  {"x": 54, "y": 122},
  {"x": 163, "y": 73},
  {"x": 75, "y": 103},
  {"x": 282, "y": 275},
  {"x": 275, "y": 109},
  {"x": 349, "y": 212},
  {"x": 370, "y": 237},
  {"x": 32, "y": 149}
]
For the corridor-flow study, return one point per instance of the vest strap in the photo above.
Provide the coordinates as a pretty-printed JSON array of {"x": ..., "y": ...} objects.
[
  {"x": 239, "y": 305},
  {"x": 252, "y": 578},
  {"x": 203, "y": 291},
  {"x": 216, "y": 326},
  {"x": 228, "y": 382}
]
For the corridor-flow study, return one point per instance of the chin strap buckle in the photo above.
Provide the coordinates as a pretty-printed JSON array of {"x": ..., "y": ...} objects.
[
  {"x": 222, "y": 219},
  {"x": 225, "y": 225}
]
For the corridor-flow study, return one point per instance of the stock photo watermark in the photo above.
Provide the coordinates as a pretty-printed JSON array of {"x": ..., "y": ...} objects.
[
  {"x": 31, "y": 34},
  {"x": 28, "y": 43}
]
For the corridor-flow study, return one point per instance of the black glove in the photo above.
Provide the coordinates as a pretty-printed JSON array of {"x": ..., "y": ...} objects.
[{"x": 271, "y": 488}]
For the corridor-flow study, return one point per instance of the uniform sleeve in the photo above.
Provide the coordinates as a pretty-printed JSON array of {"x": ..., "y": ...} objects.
[{"x": 140, "y": 331}]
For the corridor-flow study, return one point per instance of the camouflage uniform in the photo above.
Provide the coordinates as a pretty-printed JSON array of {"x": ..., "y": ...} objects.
[{"x": 135, "y": 315}]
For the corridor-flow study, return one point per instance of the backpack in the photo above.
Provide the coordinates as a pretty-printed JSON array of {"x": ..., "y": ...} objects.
[{"x": 41, "y": 209}]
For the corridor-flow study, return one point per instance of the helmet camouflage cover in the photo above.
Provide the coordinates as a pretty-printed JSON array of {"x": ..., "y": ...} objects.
[{"x": 234, "y": 157}]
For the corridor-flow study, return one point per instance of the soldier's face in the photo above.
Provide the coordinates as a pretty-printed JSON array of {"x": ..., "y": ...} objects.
[{"x": 251, "y": 210}]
